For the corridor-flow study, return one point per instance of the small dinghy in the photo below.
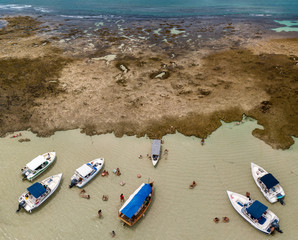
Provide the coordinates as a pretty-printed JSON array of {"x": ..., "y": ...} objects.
[
  {"x": 256, "y": 213},
  {"x": 38, "y": 165},
  {"x": 155, "y": 155},
  {"x": 268, "y": 184},
  {"x": 137, "y": 204},
  {"x": 37, "y": 193},
  {"x": 86, "y": 172}
]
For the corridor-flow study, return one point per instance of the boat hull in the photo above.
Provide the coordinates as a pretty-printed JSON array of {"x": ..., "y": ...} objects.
[
  {"x": 31, "y": 203},
  {"x": 156, "y": 149},
  {"x": 35, "y": 173},
  {"x": 140, "y": 214},
  {"x": 271, "y": 194},
  {"x": 99, "y": 162},
  {"x": 240, "y": 202}
]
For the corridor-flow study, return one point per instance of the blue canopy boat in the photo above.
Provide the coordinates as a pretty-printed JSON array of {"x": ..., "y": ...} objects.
[
  {"x": 39, "y": 192},
  {"x": 137, "y": 204},
  {"x": 268, "y": 184},
  {"x": 254, "y": 212}
]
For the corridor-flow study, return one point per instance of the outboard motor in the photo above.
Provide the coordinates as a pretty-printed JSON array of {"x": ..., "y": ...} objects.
[
  {"x": 73, "y": 183},
  {"x": 21, "y": 205},
  {"x": 276, "y": 226},
  {"x": 280, "y": 199}
]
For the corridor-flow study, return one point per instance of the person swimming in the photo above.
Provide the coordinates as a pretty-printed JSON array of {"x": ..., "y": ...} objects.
[{"x": 191, "y": 186}]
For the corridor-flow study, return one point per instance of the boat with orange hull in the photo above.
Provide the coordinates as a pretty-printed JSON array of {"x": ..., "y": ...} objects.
[{"x": 137, "y": 204}]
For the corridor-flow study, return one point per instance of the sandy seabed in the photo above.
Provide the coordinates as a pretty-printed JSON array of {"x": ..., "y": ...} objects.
[{"x": 147, "y": 77}]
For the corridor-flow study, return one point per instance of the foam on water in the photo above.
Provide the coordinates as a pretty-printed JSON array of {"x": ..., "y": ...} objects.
[{"x": 177, "y": 212}]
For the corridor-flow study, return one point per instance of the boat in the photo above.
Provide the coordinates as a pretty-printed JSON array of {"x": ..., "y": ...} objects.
[
  {"x": 268, "y": 184},
  {"x": 137, "y": 204},
  {"x": 155, "y": 155},
  {"x": 256, "y": 213},
  {"x": 38, "y": 165},
  {"x": 86, "y": 172},
  {"x": 38, "y": 193}
]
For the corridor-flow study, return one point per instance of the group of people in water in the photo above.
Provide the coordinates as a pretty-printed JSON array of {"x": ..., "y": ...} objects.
[
  {"x": 83, "y": 194},
  {"x": 191, "y": 186},
  {"x": 224, "y": 219}
]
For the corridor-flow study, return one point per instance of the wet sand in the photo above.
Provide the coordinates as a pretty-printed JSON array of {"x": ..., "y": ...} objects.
[
  {"x": 142, "y": 77},
  {"x": 176, "y": 212}
]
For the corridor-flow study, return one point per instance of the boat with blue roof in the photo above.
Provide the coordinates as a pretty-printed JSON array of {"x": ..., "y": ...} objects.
[
  {"x": 39, "y": 192},
  {"x": 86, "y": 172},
  {"x": 256, "y": 213},
  {"x": 267, "y": 184},
  {"x": 137, "y": 204}
]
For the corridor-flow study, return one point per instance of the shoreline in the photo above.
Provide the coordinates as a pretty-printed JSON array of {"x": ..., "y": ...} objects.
[{"x": 128, "y": 80}]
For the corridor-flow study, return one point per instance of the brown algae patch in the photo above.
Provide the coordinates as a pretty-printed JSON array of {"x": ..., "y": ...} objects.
[
  {"x": 22, "y": 81},
  {"x": 275, "y": 74},
  {"x": 47, "y": 92}
]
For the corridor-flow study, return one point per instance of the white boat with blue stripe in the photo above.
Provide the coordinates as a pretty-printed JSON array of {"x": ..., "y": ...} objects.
[
  {"x": 137, "y": 204},
  {"x": 267, "y": 184},
  {"x": 37, "y": 193},
  {"x": 256, "y": 213},
  {"x": 86, "y": 172}
]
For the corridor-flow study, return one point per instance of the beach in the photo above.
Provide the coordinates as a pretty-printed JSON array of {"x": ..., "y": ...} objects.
[
  {"x": 176, "y": 212},
  {"x": 88, "y": 81}
]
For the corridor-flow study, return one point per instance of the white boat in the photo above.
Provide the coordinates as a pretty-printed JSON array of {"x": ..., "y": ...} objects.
[
  {"x": 155, "y": 154},
  {"x": 256, "y": 213},
  {"x": 86, "y": 172},
  {"x": 268, "y": 184},
  {"x": 38, "y": 165},
  {"x": 38, "y": 193}
]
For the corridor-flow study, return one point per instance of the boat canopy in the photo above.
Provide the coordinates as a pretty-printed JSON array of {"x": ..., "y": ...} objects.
[
  {"x": 36, "y": 162},
  {"x": 136, "y": 200},
  {"x": 36, "y": 189},
  {"x": 156, "y": 147},
  {"x": 84, "y": 170},
  {"x": 256, "y": 209},
  {"x": 269, "y": 180}
]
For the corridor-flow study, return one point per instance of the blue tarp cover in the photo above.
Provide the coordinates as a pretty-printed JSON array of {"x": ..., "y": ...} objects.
[
  {"x": 269, "y": 180},
  {"x": 36, "y": 189},
  {"x": 132, "y": 207},
  {"x": 256, "y": 209}
]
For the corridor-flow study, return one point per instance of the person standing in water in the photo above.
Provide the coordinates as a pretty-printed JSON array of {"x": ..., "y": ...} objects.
[{"x": 121, "y": 197}]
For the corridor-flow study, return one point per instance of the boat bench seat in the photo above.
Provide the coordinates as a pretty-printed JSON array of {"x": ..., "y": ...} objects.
[{"x": 262, "y": 220}]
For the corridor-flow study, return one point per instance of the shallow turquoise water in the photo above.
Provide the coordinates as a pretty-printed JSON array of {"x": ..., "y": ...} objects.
[{"x": 290, "y": 26}]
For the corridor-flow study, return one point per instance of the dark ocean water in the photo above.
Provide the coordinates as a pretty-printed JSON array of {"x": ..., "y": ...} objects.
[{"x": 157, "y": 8}]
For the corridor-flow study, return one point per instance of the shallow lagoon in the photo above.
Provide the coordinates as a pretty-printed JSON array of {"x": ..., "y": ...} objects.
[{"x": 177, "y": 212}]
